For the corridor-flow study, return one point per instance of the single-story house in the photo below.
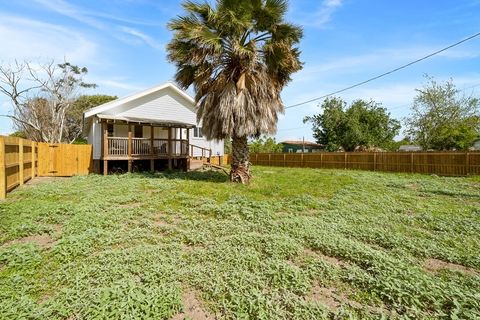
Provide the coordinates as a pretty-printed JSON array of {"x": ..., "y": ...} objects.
[
  {"x": 300, "y": 146},
  {"x": 153, "y": 129}
]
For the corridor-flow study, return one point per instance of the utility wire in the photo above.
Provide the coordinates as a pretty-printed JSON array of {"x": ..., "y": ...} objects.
[
  {"x": 388, "y": 109},
  {"x": 387, "y": 73}
]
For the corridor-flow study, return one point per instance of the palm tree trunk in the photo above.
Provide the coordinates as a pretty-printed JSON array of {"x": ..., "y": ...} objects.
[{"x": 240, "y": 168}]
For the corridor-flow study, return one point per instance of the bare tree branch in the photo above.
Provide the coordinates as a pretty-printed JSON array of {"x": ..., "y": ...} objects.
[{"x": 42, "y": 97}]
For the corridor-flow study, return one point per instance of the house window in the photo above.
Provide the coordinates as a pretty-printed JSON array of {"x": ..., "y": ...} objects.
[
  {"x": 110, "y": 130},
  {"x": 138, "y": 132},
  {"x": 290, "y": 150},
  {"x": 197, "y": 132}
]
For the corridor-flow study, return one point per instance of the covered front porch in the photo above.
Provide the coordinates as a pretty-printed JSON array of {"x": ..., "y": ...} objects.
[{"x": 134, "y": 139}]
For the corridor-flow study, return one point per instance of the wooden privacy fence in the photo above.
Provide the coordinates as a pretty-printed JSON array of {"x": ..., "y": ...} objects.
[
  {"x": 440, "y": 163},
  {"x": 22, "y": 160},
  {"x": 18, "y": 162},
  {"x": 64, "y": 160}
]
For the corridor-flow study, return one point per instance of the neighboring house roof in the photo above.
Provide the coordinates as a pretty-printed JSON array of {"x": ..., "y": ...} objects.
[
  {"x": 410, "y": 147},
  {"x": 162, "y": 105},
  {"x": 301, "y": 143}
]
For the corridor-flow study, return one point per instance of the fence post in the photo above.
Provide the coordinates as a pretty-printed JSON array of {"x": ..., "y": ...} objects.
[
  {"x": 467, "y": 163},
  {"x": 321, "y": 160},
  {"x": 411, "y": 162},
  {"x": 256, "y": 159},
  {"x": 269, "y": 159},
  {"x": 301, "y": 161},
  {"x": 34, "y": 159},
  {"x": 345, "y": 160},
  {"x": 3, "y": 177},
  {"x": 374, "y": 161},
  {"x": 20, "y": 161},
  {"x": 284, "y": 160}
]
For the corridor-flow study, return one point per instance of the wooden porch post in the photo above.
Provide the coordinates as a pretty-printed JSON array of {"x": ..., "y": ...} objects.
[
  {"x": 130, "y": 148},
  {"x": 188, "y": 148},
  {"x": 169, "y": 148},
  {"x": 152, "y": 154},
  {"x": 188, "y": 140},
  {"x": 105, "y": 148}
]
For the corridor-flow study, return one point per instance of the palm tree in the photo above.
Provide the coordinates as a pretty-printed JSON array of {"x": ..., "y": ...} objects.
[{"x": 238, "y": 55}]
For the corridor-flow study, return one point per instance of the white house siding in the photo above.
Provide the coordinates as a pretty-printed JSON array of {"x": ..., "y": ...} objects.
[
  {"x": 96, "y": 140},
  {"x": 158, "y": 106},
  {"x": 166, "y": 105},
  {"x": 216, "y": 146}
]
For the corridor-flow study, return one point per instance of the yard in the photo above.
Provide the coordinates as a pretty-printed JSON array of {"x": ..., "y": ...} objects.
[{"x": 295, "y": 244}]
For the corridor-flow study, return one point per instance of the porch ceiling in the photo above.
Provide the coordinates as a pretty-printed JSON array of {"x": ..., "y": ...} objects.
[{"x": 143, "y": 121}]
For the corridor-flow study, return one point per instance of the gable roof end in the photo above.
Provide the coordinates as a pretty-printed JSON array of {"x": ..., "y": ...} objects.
[{"x": 115, "y": 103}]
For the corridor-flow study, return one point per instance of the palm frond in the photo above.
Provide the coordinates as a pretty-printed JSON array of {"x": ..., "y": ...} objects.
[{"x": 238, "y": 56}]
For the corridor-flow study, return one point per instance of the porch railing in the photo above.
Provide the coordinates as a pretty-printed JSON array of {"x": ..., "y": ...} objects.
[{"x": 119, "y": 147}]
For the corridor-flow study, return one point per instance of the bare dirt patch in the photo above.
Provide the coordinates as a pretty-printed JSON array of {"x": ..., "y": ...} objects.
[
  {"x": 44, "y": 241},
  {"x": 326, "y": 296},
  {"x": 436, "y": 265},
  {"x": 318, "y": 255},
  {"x": 130, "y": 205},
  {"x": 39, "y": 180},
  {"x": 57, "y": 230},
  {"x": 332, "y": 298},
  {"x": 412, "y": 186},
  {"x": 192, "y": 308},
  {"x": 163, "y": 220}
]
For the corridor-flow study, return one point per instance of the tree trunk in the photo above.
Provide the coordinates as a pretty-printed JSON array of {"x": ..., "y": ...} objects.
[{"x": 240, "y": 168}]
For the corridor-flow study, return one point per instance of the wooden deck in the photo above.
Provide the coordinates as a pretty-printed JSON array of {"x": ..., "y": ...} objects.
[
  {"x": 134, "y": 149},
  {"x": 119, "y": 148}
]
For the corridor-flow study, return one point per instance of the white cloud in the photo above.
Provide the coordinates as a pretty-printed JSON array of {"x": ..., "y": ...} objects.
[
  {"x": 142, "y": 37},
  {"x": 98, "y": 20},
  {"x": 32, "y": 39},
  {"x": 116, "y": 84},
  {"x": 323, "y": 14},
  {"x": 66, "y": 9}
]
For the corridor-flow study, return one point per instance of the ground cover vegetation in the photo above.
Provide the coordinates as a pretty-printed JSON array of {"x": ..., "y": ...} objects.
[{"x": 294, "y": 244}]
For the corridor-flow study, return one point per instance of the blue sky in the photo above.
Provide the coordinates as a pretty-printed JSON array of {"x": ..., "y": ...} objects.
[{"x": 122, "y": 42}]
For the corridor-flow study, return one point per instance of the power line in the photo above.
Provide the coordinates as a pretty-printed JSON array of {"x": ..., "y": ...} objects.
[
  {"x": 387, "y": 73},
  {"x": 389, "y": 109}
]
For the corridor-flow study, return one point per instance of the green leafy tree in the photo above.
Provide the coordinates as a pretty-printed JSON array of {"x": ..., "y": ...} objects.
[
  {"x": 442, "y": 119},
  {"x": 227, "y": 145},
  {"x": 265, "y": 145},
  {"x": 75, "y": 114},
  {"x": 238, "y": 55},
  {"x": 362, "y": 124},
  {"x": 18, "y": 134}
]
